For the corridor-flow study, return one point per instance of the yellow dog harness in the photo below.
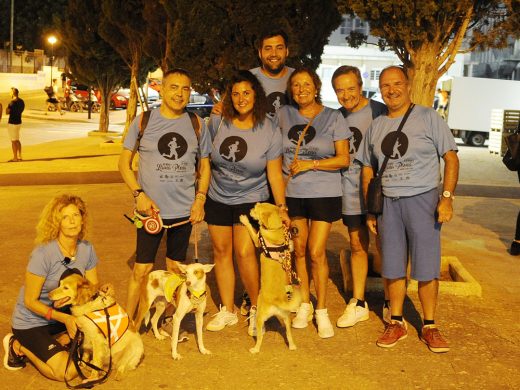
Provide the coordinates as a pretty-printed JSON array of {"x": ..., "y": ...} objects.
[{"x": 118, "y": 319}]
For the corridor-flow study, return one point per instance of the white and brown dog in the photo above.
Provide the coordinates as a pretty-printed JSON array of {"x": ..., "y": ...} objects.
[
  {"x": 91, "y": 308},
  {"x": 275, "y": 281},
  {"x": 187, "y": 292}
]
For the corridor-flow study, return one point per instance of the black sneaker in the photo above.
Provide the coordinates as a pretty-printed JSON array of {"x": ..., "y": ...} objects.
[{"x": 11, "y": 360}]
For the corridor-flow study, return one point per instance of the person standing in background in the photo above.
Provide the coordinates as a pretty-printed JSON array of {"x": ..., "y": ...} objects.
[{"x": 14, "y": 110}]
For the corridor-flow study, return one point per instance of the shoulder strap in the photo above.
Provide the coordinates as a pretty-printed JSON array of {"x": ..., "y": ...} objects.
[
  {"x": 143, "y": 122},
  {"x": 401, "y": 125},
  {"x": 195, "y": 122}
]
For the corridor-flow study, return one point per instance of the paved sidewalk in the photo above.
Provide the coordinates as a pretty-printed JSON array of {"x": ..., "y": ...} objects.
[{"x": 484, "y": 332}]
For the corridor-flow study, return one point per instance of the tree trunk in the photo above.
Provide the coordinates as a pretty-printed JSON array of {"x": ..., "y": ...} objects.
[
  {"x": 104, "y": 119},
  {"x": 424, "y": 74},
  {"x": 131, "y": 109}
]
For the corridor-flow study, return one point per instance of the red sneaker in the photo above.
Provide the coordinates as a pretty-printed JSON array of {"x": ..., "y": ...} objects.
[
  {"x": 432, "y": 337},
  {"x": 393, "y": 333}
]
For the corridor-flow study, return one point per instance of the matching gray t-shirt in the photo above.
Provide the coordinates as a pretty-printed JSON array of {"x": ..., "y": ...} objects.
[
  {"x": 167, "y": 161},
  {"x": 46, "y": 261},
  {"x": 352, "y": 201},
  {"x": 275, "y": 89},
  {"x": 239, "y": 159},
  {"x": 328, "y": 127},
  {"x": 413, "y": 167}
]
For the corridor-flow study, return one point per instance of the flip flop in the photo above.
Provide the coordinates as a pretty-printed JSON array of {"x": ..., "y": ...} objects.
[{"x": 13, "y": 160}]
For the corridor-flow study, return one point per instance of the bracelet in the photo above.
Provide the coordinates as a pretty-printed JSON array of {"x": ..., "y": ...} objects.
[
  {"x": 201, "y": 196},
  {"x": 48, "y": 315},
  {"x": 283, "y": 207},
  {"x": 316, "y": 164}
]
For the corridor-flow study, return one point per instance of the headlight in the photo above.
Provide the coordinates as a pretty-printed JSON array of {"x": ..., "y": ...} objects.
[{"x": 121, "y": 98}]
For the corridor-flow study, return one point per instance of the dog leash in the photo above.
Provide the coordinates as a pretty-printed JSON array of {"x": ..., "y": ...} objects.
[{"x": 77, "y": 357}]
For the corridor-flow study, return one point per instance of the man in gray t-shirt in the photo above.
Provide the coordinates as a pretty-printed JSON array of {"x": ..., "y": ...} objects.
[
  {"x": 168, "y": 153},
  {"x": 273, "y": 74},
  {"x": 359, "y": 113},
  {"x": 413, "y": 212}
]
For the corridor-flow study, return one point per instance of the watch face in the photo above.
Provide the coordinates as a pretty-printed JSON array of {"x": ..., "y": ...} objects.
[{"x": 446, "y": 194}]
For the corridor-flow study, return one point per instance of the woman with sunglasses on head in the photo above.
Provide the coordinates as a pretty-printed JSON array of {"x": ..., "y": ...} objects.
[
  {"x": 319, "y": 137},
  {"x": 40, "y": 332},
  {"x": 245, "y": 161}
]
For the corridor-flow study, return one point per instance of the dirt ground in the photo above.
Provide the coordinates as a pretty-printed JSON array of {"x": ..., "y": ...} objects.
[{"x": 483, "y": 331}]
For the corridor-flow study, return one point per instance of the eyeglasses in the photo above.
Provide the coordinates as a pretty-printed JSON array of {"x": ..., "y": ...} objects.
[{"x": 66, "y": 261}]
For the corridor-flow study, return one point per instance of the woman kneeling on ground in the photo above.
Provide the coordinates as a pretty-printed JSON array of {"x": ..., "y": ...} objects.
[{"x": 40, "y": 333}]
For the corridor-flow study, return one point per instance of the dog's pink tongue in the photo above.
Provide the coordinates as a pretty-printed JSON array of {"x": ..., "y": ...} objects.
[{"x": 61, "y": 302}]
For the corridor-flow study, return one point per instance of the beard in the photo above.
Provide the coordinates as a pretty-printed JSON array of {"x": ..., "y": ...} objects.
[{"x": 273, "y": 69}]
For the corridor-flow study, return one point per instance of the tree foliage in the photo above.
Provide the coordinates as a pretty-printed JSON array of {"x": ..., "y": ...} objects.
[
  {"x": 33, "y": 21},
  {"x": 91, "y": 59},
  {"x": 123, "y": 28},
  {"x": 212, "y": 38},
  {"x": 426, "y": 35}
]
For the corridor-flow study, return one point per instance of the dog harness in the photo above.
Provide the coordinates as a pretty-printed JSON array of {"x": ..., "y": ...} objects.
[
  {"x": 117, "y": 317},
  {"x": 173, "y": 283},
  {"x": 280, "y": 254}
]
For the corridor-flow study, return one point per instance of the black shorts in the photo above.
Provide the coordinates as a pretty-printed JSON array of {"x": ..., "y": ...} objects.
[
  {"x": 354, "y": 221},
  {"x": 41, "y": 340},
  {"x": 177, "y": 241},
  {"x": 52, "y": 100},
  {"x": 222, "y": 214},
  {"x": 316, "y": 209}
]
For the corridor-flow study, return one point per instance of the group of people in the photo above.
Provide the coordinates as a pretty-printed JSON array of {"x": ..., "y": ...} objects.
[{"x": 270, "y": 139}]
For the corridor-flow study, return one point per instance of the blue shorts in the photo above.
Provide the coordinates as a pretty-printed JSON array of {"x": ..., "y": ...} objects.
[{"x": 409, "y": 225}]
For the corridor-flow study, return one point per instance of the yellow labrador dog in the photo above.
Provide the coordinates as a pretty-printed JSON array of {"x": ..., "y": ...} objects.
[
  {"x": 275, "y": 282},
  {"x": 91, "y": 309}
]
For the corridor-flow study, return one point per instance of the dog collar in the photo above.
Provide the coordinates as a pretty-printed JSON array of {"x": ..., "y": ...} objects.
[
  {"x": 271, "y": 251},
  {"x": 197, "y": 294}
]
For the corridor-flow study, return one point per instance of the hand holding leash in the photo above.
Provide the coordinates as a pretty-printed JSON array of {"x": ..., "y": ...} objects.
[{"x": 144, "y": 205}]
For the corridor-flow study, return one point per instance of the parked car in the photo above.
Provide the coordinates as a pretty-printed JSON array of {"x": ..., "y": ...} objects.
[
  {"x": 118, "y": 99},
  {"x": 199, "y": 104}
]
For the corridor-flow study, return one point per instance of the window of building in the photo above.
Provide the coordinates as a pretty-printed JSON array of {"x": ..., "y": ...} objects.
[
  {"x": 349, "y": 24},
  {"x": 374, "y": 74}
]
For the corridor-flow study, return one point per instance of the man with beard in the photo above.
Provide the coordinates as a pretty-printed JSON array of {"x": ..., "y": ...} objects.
[{"x": 273, "y": 74}]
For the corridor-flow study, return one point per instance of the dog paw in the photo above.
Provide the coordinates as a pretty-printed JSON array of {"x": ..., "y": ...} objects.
[
  {"x": 292, "y": 347},
  {"x": 160, "y": 336},
  {"x": 244, "y": 219},
  {"x": 176, "y": 356},
  {"x": 254, "y": 350},
  {"x": 205, "y": 351}
]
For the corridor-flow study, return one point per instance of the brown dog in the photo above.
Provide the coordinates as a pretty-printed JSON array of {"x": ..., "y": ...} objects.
[
  {"x": 273, "y": 299},
  {"x": 88, "y": 306}
]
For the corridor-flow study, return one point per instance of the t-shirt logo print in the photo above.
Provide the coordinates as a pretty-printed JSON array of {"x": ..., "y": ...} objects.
[
  {"x": 394, "y": 145},
  {"x": 296, "y": 131},
  {"x": 172, "y": 146},
  {"x": 356, "y": 139},
  {"x": 233, "y": 149},
  {"x": 275, "y": 100}
]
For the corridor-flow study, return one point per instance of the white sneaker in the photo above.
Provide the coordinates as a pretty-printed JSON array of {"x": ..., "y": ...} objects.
[
  {"x": 251, "y": 329},
  {"x": 387, "y": 314},
  {"x": 303, "y": 316},
  {"x": 222, "y": 319},
  {"x": 325, "y": 329},
  {"x": 352, "y": 314}
]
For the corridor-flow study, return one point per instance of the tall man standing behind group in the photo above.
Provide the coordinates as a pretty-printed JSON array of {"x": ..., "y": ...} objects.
[{"x": 413, "y": 212}]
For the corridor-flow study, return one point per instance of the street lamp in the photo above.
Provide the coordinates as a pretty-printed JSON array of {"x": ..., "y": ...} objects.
[{"x": 52, "y": 40}]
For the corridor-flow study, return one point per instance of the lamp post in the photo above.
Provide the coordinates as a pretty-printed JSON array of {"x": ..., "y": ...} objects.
[{"x": 52, "y": 40}]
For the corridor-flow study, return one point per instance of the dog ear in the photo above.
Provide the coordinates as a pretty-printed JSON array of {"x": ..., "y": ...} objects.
[
  {"x": 182, "y": 267},
  {"x": 274, "y": 221},
  {"x": 85, "y": 291},
  {"x": 207, "y": 267}
]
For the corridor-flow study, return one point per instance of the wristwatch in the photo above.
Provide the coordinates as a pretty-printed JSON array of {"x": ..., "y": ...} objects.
[
  {"x": 136, "y": 193},
  {"x": 448, "y": 194}
]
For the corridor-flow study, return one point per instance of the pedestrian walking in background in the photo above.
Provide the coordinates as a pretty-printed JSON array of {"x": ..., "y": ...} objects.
[{"x": 14, "y": 110}]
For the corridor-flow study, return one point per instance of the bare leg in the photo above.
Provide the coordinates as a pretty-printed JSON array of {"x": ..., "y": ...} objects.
[
  {"x": 317, "y": 242},
  {"x": 222, "y": 239},
  {"x": 359, "y": 260},
  {"x": 397, "y": 293},
  {"x": 428, "y": 292},
  {"x": 300, "y": 249},
  {"x": 247, "y": 262},
  {"x": 136, "y": 282}
]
